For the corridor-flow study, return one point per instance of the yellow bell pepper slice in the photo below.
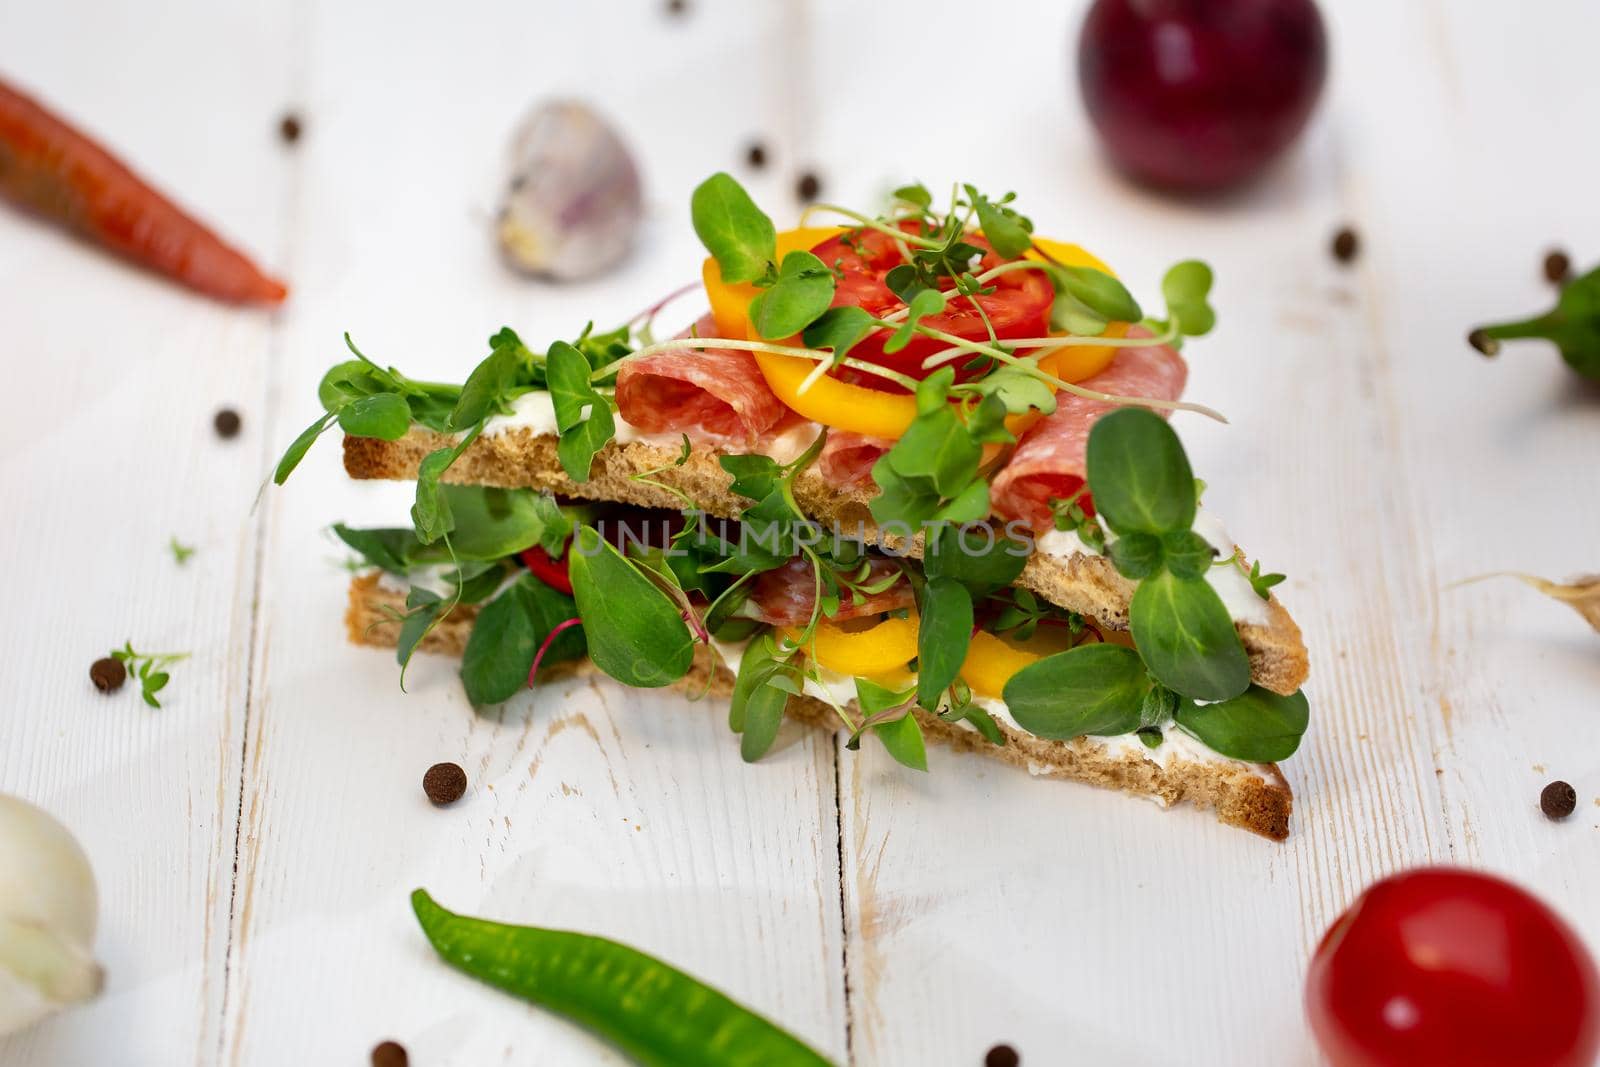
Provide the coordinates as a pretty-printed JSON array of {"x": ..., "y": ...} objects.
[
  {"x": 861, "y": 648},
  {"x": 992, "y": 660},
  {"x": 1074, "y": 363},
  {"x": 855, "y": 408}
]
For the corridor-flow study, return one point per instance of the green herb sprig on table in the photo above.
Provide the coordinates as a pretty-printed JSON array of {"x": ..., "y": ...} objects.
[{"x": 150, "y": 668}]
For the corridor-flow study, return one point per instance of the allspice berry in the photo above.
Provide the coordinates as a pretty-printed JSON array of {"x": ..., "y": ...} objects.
[
  {"x": 108, "y": 674},
  {"x": 227, "y": 423},
  {"x": 1345, "y": 245},
  {"x": 1558, "y": 800},
  {"x": 1557, "y": 267},
  {"x": 390, "y": 1054},
  {"x": 1002, "y": 1056},
  {"x": 445, "y": 783}
]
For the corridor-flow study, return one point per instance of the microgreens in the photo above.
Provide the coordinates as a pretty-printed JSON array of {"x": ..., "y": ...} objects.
[
  {"x": 640, "y": 613},
  {"x": 1573, "y": 325},
  {"x": 1187, "y": 648},
  {"x": 180, "y": 552},
  {"x": 150, "y": 668}
]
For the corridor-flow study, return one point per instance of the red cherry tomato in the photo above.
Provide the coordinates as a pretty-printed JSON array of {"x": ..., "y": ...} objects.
[
  {"x": 1018, "y": 307},
  {"x": 1448, "y": 967},
  {"x": 552, "y": 572}
]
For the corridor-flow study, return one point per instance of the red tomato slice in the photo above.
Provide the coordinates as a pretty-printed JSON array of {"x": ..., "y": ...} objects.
[
  {"x": 552, "y": 572},
  {"x": 1442, "y": 967},
  {"x": 1019, "y": 306}
]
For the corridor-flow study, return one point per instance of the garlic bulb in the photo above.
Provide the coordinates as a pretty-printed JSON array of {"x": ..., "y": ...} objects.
[
  {"x": 48, "y": 909},
  {"x": 573, "y": 202}
]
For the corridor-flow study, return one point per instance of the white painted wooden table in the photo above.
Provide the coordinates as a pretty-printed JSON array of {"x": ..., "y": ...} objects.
[{"x": 255, "y": 840}]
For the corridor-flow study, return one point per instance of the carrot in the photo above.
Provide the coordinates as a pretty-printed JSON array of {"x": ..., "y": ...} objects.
[{"x": 48, "y": 167}]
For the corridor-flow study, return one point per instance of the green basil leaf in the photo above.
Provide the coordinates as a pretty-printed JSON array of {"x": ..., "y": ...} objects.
[
  {"x": 916, "y": 194},
  {"x": 799, "y": 297},
  {"x": 757, "y": 663},
  {"x": 1186, "y": 636},
  {"x": 1160, "y": 704},
  {"x": 1003, "y": 227},
  {"x": 1136, "y": 556},
  {"x": 500, "y": 651},
  {"x": 982, "y": 721},
  {"x": 1069, "y": 315},
  {"x": 394, "y": 549},
  {"x": 925, "y": 303},
  {"x": 839, "y": 330},
  {"x": 942, "y": 637},
  {"x": 477, "y": 581},
  {"x": 299, "y": 447},
  {"x": 484, "y": 392},
  {"x": 1188, "y": 555},
  {"x": 874, "y": 698},
  {"x": 938, "y": 447},
  {"x": 976, "y": 555},
  {"x": 1098, "y": 291},
  {"x": 1018, "y": 390},
  {"x": 493, "y": 523},
  {"x": 431, "y": 513},
  {"x": 583, "y": 415},
  {"x": 1092, "y": 689},
  {"x": 757, "y": 709},
  {"x": 1185, "y": 288},
  {"x": 736, "y": 232},
  {"x": 1257, "y": 725},
  {"x": 351, "y": 380},
  {"x": 754, "y": 476},
  {"x": 635, "y": 634},
  {"x": 385, "y": 416},
  {"x": 423, "y": 607},
  {"x": 903, "y": 740},
  {"x": 1139, "y": 474}
]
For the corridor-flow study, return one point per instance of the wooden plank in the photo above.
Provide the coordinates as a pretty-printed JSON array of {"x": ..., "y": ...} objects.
[
  {"x": 109, "y": 452},
  {"x": 622, "y": 813}
]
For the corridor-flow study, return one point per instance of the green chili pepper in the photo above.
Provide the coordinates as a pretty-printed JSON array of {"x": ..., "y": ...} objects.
[{"x": 651, "y": 1010}]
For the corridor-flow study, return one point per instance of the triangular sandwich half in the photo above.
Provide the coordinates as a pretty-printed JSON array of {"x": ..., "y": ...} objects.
[{"x": 932, "y": 435}]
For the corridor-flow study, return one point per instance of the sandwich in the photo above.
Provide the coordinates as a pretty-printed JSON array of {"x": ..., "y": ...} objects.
[{"x": 911, "y": 478}]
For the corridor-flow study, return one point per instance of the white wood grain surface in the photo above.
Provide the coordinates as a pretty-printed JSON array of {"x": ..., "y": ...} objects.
[{"x": 255, "y": 839}]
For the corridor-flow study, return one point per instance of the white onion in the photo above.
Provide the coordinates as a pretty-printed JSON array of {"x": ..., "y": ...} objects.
[{"x": 48, "y": 909}]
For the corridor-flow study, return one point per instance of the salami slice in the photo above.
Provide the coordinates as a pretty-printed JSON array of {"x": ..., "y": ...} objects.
[
  {"x": 847, "y": 458},
  {"x": 713, "y": 392},
  {"x": 787, "y": 596},
  {"x": 1049, "y": 461}
]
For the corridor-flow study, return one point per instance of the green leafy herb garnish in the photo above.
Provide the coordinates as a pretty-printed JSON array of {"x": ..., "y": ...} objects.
[
  {"x": 583, "y": 415},
  {"x": 737, "y": 233},
  {"x": 180, "y": 552},
  {"x": 150, "y": 668},
  {"x": 635, "y": 633},
  {"x": 1256, "y": 725},
  {"x": 797, "y": 298}
]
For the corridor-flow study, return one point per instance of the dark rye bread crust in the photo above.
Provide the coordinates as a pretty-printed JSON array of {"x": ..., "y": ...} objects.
[
  {"x": 1260, "y": 802},
  {"x": 520, "y": 459}
]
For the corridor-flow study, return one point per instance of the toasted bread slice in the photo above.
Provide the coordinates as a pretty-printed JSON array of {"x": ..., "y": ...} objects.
[
  {"x": 520, "y": 459},
  {"x": 1254, "y": 796}
]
